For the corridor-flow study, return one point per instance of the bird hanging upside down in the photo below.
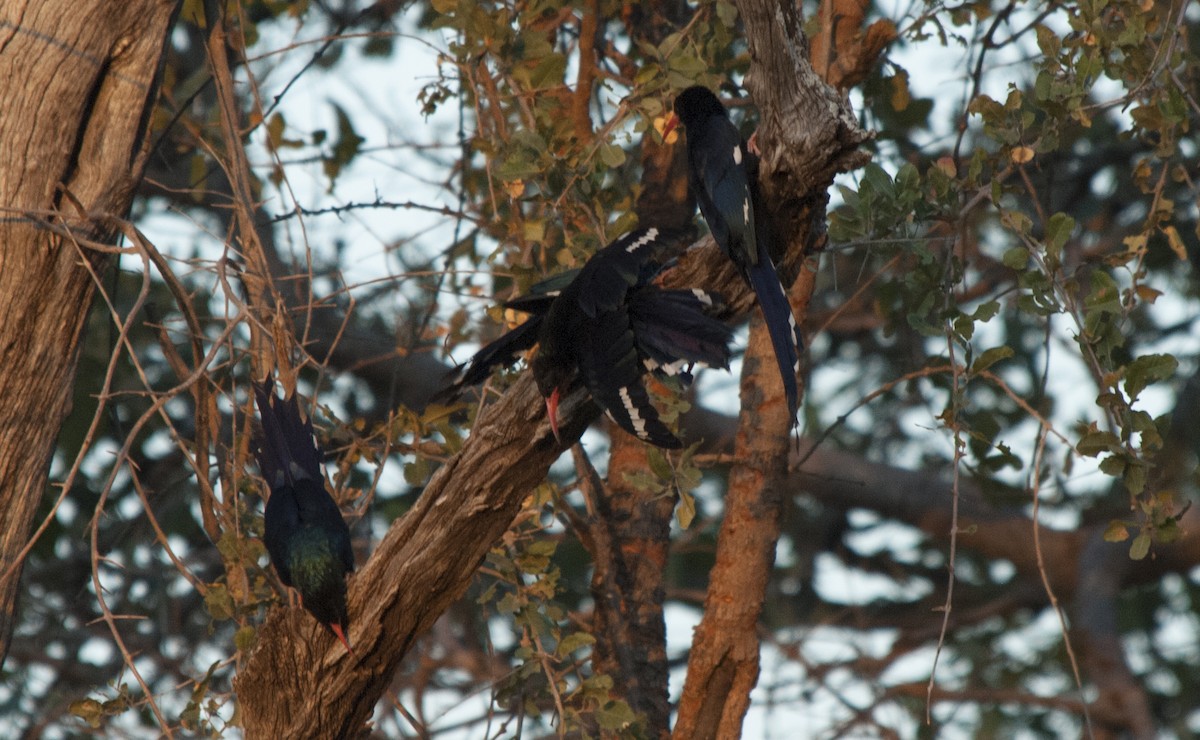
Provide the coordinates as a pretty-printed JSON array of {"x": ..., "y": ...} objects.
[
  {"x": 608, "y": 326},
  {"x": 305, "y": 535}
]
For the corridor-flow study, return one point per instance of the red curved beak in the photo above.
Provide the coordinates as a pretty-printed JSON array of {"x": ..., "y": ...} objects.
[
  {"x": 341, "y": 635},
  {"x": 552, "y": 412},
  {"x": 671, "y": 124}
]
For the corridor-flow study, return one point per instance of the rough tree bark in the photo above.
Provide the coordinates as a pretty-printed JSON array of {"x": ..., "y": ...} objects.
[
  {"x": 808, "y": 135},
  {"x": 629, "y": 540},
  {"x": 78, "y": 80}
]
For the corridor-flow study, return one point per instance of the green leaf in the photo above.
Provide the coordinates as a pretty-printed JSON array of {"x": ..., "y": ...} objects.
[
  {"x": 1105, "y": 295},
  {"x": 1097, "y": 441},
  {"x": 219, "y": 602},
  {"x": 727, "y": 13},
  {"x": 1169, "y": 531},
  {"x": 573, "y": 642},
  {"x": 542, "y": 548},
  {"x": 612, "y": 155},
  {"x": 686, "y": 511},
  {"x": 879, "y": 179},
  {"x": 518, "y": 166},
  {"x": 89, "y": 710},
  {"x": 345, "y": 148},
  {"x": 509, "y": 604},
  {"x": 1048, "y": 40},
  {"x": 1135, "y": 477},
  {"x": 991, "y": 357},
  {"x": 986, "y": 311},
  {"x": 1016, "y": 258},
  {"x": 1145, "y": 370},
  {"x": 615, "y": 716},
  {"x": 416, "y": 473},
  {"x": 1113, "y": 465},
  {"x": 659, "y": 464},
  {"x": 548, "y": 72},
  {"x": 1140, "y": 547},
  {"x": 1058, "y": 230},
  {"x": 275, "y": 127}
]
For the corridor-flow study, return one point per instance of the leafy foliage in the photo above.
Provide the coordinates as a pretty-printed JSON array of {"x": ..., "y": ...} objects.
[{"x": 1006, "y": 303}]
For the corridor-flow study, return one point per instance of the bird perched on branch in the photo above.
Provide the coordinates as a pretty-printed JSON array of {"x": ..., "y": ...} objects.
[
  {"x": 719, "y": 174},
  {"x": 305, "y": 535},
  {"x": 608, "y": 326}
]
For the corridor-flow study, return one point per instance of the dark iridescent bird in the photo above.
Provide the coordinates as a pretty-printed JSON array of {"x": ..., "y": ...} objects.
[
  {"x": 305, "y": 535},
  {"x": 719, "y": 174},
  {"x": 608, "y": 326}
]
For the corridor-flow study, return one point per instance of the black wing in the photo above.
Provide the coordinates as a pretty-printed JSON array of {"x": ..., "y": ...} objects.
[
  {"x": 674, "y": 331},
  {"x": 611, "y": 272},
  {"x": 287, "y": 450},
  {"x": 716, "y": 159},
  {"x": 612, "y": 371}
]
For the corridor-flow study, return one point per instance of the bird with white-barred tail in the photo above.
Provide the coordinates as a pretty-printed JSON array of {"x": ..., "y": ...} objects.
[{"x": 608, "y": 326}]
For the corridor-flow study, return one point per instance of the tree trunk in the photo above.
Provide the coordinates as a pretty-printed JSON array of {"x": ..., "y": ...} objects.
[
  {"x": 808, "y": 135},
  {"x": 78, "y": 81}
]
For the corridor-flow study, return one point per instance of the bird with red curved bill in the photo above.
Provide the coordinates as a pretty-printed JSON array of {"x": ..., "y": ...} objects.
[
  {"x": 609, "y": 326},
  {"x": 304, "y": 532},
  {"x": 721, "y": 176}
]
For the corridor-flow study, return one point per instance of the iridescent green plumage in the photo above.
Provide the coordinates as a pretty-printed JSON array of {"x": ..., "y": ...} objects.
[{"x": 305, "y": 535}]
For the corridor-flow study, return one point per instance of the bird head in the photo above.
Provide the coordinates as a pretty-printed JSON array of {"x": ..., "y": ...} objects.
[
  {"x": 694, "y": 105},
  {"x": 553, "y": 375}
]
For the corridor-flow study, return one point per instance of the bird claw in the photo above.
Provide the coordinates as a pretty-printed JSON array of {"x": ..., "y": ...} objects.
[{"x": 752, "y": 145}]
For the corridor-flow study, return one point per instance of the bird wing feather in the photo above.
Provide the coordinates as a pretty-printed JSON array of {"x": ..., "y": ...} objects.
[
  {"x": 612, "y": 371},
  {"x": 723, "y": 190},
  {"x": 501, "y": 351},
  {"x": 673, "y": 329}
]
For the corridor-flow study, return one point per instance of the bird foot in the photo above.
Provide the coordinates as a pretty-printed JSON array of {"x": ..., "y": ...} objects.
[{"x": 752, "y": 145}]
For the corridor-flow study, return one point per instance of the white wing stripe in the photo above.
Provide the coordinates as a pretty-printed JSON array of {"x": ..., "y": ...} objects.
[
  {"x": 639, "y": 424},
  {"x": 647, "y": 238}
]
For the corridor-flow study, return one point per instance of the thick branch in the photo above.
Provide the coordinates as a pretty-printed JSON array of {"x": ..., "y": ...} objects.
[
  {"x": 807, "y": 136},
  {"x": 421, "y": 567},
  {"x": 723, "y": 666}
]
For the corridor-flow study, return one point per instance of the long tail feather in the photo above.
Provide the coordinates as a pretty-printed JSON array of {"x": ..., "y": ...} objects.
[
  {"x": 502, "y": 351},
  {"x": 286, "y": 451},
  {"x": 781, "y": 324}
]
